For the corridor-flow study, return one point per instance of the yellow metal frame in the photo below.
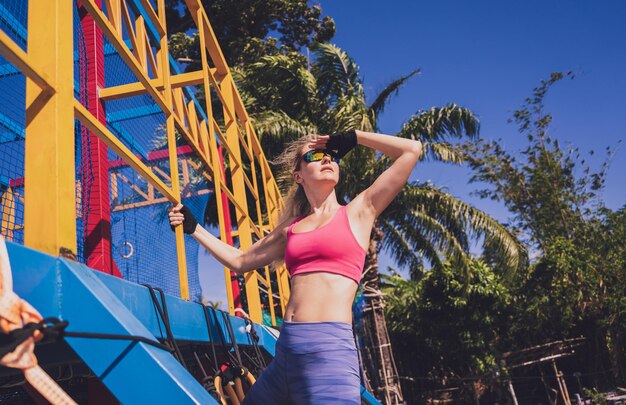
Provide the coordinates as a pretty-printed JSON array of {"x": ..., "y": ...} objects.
[
  {"x": 51, "y": 108},
  {"x": 50, "y": 223}
]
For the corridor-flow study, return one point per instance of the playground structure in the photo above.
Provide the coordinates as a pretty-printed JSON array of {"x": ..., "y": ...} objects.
[
  {"x": 100, "y": 131},
  {"x": 138, "y": 127}
]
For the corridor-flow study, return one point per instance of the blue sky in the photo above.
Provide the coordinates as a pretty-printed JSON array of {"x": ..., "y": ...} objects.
[{"x": 488, "y": 56}]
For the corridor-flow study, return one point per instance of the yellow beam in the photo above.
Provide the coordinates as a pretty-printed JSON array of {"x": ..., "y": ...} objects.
[
  {"x": 14, "y": 54},
  {"x": 118, "y": 147},
  {"x": 154, "y": 18},
  {"x": 247, "y": 126},
  {"x": 200, "y": 18},
  {"x": 137, "y": 88},
  {"x": 50, "y": 201},
  {"x": 164, "y": 70},
  {"x": 128, "y": 57},
  {"x": 7, "y": 201},
  {"x": 237, "y": 174},
  {"x": 217, "y": 167}
]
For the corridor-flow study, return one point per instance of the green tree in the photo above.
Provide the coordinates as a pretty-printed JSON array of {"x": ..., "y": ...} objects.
[
  {"x": 445, "y": 326},
  {"x": 249, "y": 29},
  {"x": 575, "y": 286},
  {"x": 549, "y": 189}
]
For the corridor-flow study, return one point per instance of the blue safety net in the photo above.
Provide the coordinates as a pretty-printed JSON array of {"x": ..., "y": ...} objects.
[
  {"x": 13, "y": 18},
  {"x": 142, "y": 246}
]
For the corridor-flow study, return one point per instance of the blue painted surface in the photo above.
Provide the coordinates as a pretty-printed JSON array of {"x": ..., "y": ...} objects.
[
  {"x": 368, "y": 398},
  {"x": 186, "y": 318},
  {"x": 73, "y": 292}
]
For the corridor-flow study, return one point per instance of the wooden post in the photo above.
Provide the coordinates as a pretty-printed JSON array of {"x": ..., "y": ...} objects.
[
  {"x": 562, "y": 386},
  {"x": 512, "y": 391}
]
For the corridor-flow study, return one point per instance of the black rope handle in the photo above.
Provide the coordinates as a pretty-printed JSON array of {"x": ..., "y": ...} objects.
[
  {"x": 161, "y": 308},
  {"x": 53, "y": 329}
]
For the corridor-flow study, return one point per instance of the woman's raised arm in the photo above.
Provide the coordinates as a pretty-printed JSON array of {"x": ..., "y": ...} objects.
[{"x": 404, "y": 152}]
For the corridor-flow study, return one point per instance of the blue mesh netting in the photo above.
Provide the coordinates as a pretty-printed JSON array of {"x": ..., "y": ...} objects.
[
  {"x": 143, "y": 247},
  {"x": 139, "y": 124},
  {"x": 13, "y": 18},
  {"x": 13, "y": 21}
]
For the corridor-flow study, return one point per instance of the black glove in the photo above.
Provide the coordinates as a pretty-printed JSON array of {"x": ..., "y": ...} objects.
[
  {"x": 189, "y": 223},
  {"x": 341, "y": 142}
]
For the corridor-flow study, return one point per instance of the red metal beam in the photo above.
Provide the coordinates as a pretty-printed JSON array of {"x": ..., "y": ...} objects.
[
  {"x": 152, "y": 156},
  {"x": 97, "y": 251}
]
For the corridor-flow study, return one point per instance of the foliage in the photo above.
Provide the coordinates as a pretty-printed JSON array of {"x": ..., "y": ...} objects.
[
  {"x": 576, "y": 285},
  {"x": 448, "y": 325},
  {"x": 244, "y": 29},
  {"x": 595, "y": 396},
  {"x": 548, "y": 189}
]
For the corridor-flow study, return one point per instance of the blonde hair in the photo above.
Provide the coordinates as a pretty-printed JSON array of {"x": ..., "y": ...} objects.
[{"x": 296, "y": 203}]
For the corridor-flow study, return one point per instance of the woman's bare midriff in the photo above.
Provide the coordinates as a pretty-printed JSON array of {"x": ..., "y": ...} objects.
[{"x": 320, "y": 297}]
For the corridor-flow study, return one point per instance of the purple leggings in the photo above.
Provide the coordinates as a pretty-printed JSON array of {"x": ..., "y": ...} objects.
[{"x": 316, "y": 363}]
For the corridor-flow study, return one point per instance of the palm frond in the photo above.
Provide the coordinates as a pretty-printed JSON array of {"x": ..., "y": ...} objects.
[
  {"x": 442, "y": 152},
  {"x": 275, "y": 128},
  {"x": 404, "y": 255},
  {"x": 248, "y": 98},
  {"x": 378, "y": 106},
  {"x": 478, "y": 223},
  {"x": 278, "y": 82},
  {"x": 337, "y": 74},
  {"x": 347, "y": 113},
  {"x": 420, "y": 225},
  {"x": 438, "y": 123}
]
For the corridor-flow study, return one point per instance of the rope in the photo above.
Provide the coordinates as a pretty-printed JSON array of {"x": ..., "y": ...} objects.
[
  {"x": 16, "y": 319},
  {"x": 231, "y": 336},
  {"x": 229, "y": 377},
  {"x": 220, "y": 334},
  {"x": 258, "y": 360},
  {"x": 211, "y": 340},
  {"x": 162, "y": 311}
]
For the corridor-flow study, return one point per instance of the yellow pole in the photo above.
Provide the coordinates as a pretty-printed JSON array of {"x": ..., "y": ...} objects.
[
  {"x": 213, "y": 154},
  {"x": 8, "y": 225},
  {"x": 164, "y": 72},
  {"x": 50, "y": 201},
  {"x": 239, "y": 189}
]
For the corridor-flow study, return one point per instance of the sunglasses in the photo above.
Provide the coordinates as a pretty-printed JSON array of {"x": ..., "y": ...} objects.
[{"x": 316, "y": 156}]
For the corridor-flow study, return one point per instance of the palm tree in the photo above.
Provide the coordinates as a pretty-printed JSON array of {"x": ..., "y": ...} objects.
[{"x": 288, "y": 97}]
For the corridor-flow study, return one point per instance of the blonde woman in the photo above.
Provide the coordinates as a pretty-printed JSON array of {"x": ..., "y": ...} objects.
[{"x": 323, "y": 245}]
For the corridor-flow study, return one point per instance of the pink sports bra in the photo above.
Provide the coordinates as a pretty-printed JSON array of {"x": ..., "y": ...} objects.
[{"x": 331, "y": 248}]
